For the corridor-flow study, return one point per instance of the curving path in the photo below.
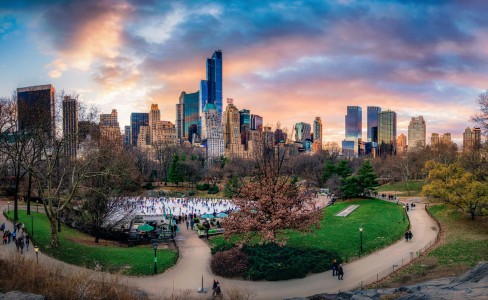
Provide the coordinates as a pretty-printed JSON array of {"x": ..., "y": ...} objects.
[{"x": 195, "y": 257}]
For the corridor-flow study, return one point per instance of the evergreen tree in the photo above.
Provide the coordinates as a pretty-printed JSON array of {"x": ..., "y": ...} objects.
[
  {"x": 232, "y": 187},
  {"x": 343, "y": 169},
  {"x": 174, "y": 170},
  {"x": 350, "y": 187},
  {"x": 368, "y": 180},
  {"x": 329, "y": 170}
]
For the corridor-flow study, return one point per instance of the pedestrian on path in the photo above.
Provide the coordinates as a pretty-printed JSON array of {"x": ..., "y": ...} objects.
[
  {"x": 334, "y": 267},
  {"x": 407, "y": 235},
  {"x": 410, "y": 235},
  {"x": 27, "y": 242},
  {"x": 340, "y": 272},
  {"x": 187, "y": 224}
]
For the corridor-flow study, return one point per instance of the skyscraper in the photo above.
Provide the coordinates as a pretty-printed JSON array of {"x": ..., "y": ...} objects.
[
  {"x": 354, "y": 123},
  {"x": 70, "y": 125},
  {"x": 416, "y": 132},
  {"x": 232, "y": 132},
  {"x": 214, "y": 80},
  {"x": 126, "y": 135},
  {"x": 354, "y": 127},
  {"x": 36, "y": 109},
  {"x": 211, "y": 89},
  {"x": 401, "y": 144},
  {"x": 212, "y": 132},
  {"x": 387, "y": 134},
  {"x": 187, "y": 116},
  {"x": 471, "y": 139},
  {"x": 372, "y": 122},
  {"x": 317, "y": 130},
  {"x": 257, "y": 123},
  {"x": 245, "y": 125},
  {"x": 434, "y": 139},
  {"x": 136, "y": 121},
  {"x": 154, "y": 117},
  {"x": 302, "y": 132},
  {"x": 109, "y": 128}
]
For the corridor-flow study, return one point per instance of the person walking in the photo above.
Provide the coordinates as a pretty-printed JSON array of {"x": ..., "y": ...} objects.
[
  {"x": 334, "y": 267},
  {"x": 340, "y": 272},
  {"x": 407, "y": 235},
  {"x": 410, "y": 235},
  {"x": 27, "y": 242},
  {"x": 187, "y": 224},
  {"x": 192, "y": 223}
]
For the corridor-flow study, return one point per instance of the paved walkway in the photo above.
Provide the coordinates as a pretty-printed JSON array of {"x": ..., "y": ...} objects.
[{"x": 195, "y": 257}]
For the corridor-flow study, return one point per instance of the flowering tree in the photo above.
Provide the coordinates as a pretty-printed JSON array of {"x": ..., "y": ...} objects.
[{"x": 272, "y": 201}]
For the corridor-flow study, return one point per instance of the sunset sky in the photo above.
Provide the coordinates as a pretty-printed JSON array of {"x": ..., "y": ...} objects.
[{"x": 288, "y": 61}]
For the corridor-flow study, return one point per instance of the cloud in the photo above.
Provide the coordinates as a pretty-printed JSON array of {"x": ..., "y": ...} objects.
[{"x": 285, "y": 60}]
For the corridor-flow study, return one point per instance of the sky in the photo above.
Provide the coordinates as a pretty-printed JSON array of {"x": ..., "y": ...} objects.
[{"x": 288, "y": 61}]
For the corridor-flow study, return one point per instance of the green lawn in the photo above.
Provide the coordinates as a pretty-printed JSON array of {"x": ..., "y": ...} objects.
[
  {"x": 382, "y": 224},
  {"x": 131, "y": 261},
  {"x": 466, "y": 240},
  {"x": 465, "y": 244},
  {"x": 401, "y": 187}
]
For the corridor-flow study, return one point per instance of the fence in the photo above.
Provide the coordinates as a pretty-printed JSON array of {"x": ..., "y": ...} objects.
[{"x": 403, "y": 261}]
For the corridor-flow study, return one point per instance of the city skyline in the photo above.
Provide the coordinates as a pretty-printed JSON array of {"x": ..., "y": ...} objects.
[{"x": 284, "y": 66}]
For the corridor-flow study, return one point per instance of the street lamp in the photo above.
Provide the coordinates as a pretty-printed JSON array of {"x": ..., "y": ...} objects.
[
  {"x": 403, "y": 213},
  {"x": 8, "y": 207},
  {"x": 361, "y": 241},
  {"x": 155, "y": 246},
  {"x": 36, "y": 249},
  {"x": 37, "y": 207}
]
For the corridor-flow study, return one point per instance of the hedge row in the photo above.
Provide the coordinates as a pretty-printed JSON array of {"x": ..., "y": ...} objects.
[{"x": 271, "y": 262}]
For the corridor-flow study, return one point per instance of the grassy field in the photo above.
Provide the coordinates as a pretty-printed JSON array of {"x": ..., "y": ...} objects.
[
  {"x": 465, "y": 243},
  {"x": 401, "y": 188},
  {"x": 130, "y": 261},
  {"x": 382, "y": 224}
]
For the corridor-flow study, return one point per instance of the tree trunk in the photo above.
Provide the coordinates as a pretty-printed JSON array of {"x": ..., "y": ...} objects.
[
  {"x": 54, "y": 232},
  {"x": 28, "y": 196},
  {"x": 472, "y": 215}
]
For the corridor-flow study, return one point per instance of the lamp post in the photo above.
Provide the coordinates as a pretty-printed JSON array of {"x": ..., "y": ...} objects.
[
  {"x": 155, "y": 246},
  {"x": 37, "y": 206},
  {"x": 403, "y": 213},
  {"x": 8, "y": 207},
  {"x": 361, "y": 241},
  {"x": 32, "y": 226},
  {"x": 36, "y": 249}
]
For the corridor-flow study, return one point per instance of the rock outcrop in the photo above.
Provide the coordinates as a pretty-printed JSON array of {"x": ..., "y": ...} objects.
[
  {"x": 472, "y": 285},
  {"x": 16, "y": 295}
]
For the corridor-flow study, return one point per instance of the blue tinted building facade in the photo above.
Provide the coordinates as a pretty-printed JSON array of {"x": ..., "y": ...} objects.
[
  {"x": 191, "y": 114},
  {"x": 136, "y": 121},
  {"x": 372, "y": 121},
  {"x": 354, "y": 123},
  {"x": 211, "y": 89},
  {"x": 257, "y": 123}
]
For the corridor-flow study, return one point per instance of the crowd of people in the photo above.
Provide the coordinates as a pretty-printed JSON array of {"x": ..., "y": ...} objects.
[
  {"x": 176, "y": 206},
  {"x": 18, "y": 236}
]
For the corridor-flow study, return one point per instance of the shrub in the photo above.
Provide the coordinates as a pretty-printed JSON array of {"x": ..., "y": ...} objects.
[
  {"x": 149, "y": 186},
  {"x": 200, "y": 227},
  {"x": 213, "y": 190},
  {"x": 196, "y": 221},
  {"x": 203, "y": 187},
  {"x": 231, "y": 263},
  {"x": 191, "y": 193},
  {"x": 223, "y": 245},
  {"x": 273, "y": 262}
]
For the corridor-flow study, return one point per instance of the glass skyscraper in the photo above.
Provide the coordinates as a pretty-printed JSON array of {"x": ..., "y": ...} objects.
[
  {"x": 256, "y": 123},
  {"x": 136, "y": 121},
  {"x": 372, "y": 122},
  {"x": 211, "y": 89},
  {"x": 354, "y": 123},
  {"x": 387, "y": 132},
  {"x": 36, "y": 109}
]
